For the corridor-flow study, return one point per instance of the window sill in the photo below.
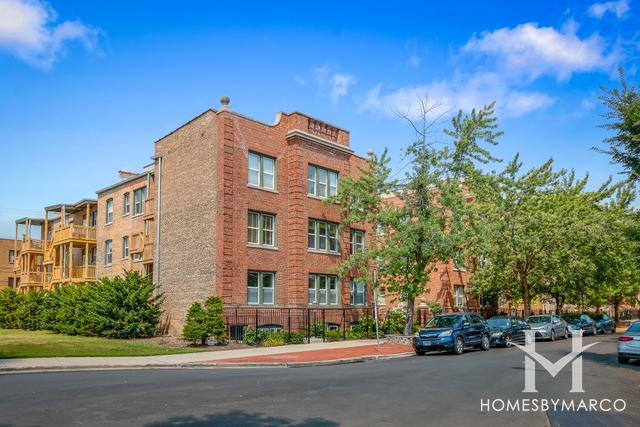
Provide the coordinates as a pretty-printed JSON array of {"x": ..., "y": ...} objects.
[
  {"x": 268, "y": 190},
  {"x": 270, "y": 248},
  {"x": 321, "y": 252},
  {"x": 108, "y": 265},
  {"x": 322, "y": 199},
  {"x": 137, "y": 215}
]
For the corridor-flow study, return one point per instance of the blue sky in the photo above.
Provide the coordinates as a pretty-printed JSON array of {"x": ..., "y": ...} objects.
[{"x": 86, "y": 87}]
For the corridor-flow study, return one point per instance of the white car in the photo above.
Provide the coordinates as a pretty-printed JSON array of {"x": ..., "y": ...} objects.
[{"x": 629, "y": 343}]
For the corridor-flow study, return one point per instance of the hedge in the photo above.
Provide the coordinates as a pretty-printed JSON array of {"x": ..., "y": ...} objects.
[{"x": 119, "y": 307}]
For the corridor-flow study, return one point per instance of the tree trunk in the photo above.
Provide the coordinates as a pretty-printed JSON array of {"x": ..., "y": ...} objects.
[
  {"x": 408, "y": 327},
  {"x": 616, "y": 308},
  {"x": 526, "y": 298}
]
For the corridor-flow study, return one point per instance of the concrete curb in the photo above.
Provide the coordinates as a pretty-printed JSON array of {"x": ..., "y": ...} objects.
[{"x": 205, "y": 365}]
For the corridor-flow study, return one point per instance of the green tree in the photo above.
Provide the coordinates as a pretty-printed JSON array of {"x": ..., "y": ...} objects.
[
  {"x": 432, "y": 221},
  {"x": 624, "y": 121},
  {"x": 10, "y": 302},
  {"x": 29, "y": 311},
  {"x": 202, "y": 323}
]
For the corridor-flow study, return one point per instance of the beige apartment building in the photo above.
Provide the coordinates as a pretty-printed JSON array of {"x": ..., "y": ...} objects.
[
  {"x": 7, "y": 258},
  {"x": 125, "y": 226}
]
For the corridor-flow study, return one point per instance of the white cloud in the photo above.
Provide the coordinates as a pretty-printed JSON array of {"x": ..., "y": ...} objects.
[
  {"x": 28, "y": 30},
  {"x": 337, "y": 84},
  {"x": 414, "y": 60},
  {"x": 531, "y": 51},
  {"x": 618, "y": 8},
  {"x": 458, "y": 93}
]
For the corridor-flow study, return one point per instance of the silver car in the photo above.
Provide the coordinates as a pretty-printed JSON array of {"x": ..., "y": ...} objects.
[
  {"x": 629, "y": 343},
  {"x": 548, "y": 326}
]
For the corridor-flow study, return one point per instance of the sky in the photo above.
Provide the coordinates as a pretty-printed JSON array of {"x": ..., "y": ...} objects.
[{"x": 87, "y": 87}]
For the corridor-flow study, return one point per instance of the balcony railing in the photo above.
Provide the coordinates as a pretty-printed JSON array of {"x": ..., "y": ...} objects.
[
  {"x": 83, "y": 272},
  {"x": 31, "y": 278},
  {"x": 149, "y": 207},
  {"x": 73, "y": 231},
  {"x": 32, "y": 245},
  {"x": 137, "y": 243}
]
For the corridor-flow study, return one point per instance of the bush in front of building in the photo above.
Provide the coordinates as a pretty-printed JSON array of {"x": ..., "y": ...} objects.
[
  {"x": 121, "y": 307},
  {"x": 29, "y": 310},
  {"x": 10, "y": 302},
  {"x": 205, "y": 322},
  {"x": 395, "y": 321}
]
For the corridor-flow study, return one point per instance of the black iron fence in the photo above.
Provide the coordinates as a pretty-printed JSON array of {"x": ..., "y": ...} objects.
[{"x": 340, "y": 322}]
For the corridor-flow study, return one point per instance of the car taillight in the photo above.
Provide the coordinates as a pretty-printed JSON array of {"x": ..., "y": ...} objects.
[{"x": 623, "y": 338}]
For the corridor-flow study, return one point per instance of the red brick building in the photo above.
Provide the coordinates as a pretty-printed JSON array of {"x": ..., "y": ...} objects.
[{"x": 242, "y": 212}]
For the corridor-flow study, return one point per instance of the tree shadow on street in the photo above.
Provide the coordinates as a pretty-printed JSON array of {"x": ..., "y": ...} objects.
[{"x": 237, "y": 418}]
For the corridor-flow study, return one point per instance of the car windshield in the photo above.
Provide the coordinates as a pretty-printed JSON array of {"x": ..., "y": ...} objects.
[
  {"x": 597, "y": 317},
  {"x": 499, "y": 323},
  {"x": 539, "y": 319},
  {"x": 634, "y": 328},
  {"x": 571, "y": 317},
  {"x": 443, "y": 322}
]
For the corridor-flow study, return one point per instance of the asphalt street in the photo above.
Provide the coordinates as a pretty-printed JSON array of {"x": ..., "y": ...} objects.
[{"x": 437, "y": 389}]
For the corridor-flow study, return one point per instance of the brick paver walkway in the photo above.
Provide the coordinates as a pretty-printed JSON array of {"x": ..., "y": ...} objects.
[{"x": 324, "y": 355}]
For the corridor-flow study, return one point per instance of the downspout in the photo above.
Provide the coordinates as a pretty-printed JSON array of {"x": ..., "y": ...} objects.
[{"x": 159, "y": 184}]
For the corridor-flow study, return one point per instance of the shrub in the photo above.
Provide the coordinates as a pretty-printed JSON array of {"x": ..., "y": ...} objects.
[
  {"x": 294, "y": 337},
  {"x": 202, "y": 323},
  {"x": 124, "y": 307},
  {"x": 395, "y": 321},
  {"x": 28, "y": 312},
  {"x": 366, "y": 325},
  {"x": 253, "y": 336},
  {"x": 10, "y": 302},
  {"x": 274, "y": 339},
  {"x": 333, "y": 335},
  {"x": 435, "y": 307}
]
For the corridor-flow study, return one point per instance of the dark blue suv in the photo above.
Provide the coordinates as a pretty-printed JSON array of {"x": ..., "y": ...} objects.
[{"x": 453, "y": 332}]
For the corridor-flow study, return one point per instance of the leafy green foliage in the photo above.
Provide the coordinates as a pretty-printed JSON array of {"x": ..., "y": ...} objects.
[
  {"x": 10, "y": 302},
  {"x": 395, "y": 321},
  {"x": 121, "y": 307},
  {"x": 203, "y": 323}
]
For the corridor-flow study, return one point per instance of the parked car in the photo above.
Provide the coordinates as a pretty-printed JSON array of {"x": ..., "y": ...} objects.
[
  {"x": 548, "y": 327},
  {"x": 604, "y": 323},
  {"x": 576, "y": 322},
  {"x": 629, "y": 343},
  {"x": 507, "y": 329},
  {"x": 453, "y": 332}
]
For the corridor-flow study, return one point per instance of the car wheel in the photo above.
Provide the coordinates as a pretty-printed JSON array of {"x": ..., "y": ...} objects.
[
  {"x": 458, "y": 346},
  {"x": 507, "y": 341},
  {"x": 486, "y": 343},
  {"x": 553, "y": 335},
  {"x": 623, "y": 360},
  {"x": 566, "y": 334},
  {"x": 420, "y": 352}
]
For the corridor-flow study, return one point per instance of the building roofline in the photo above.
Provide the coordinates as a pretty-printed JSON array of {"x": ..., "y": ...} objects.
[
  {"x": 70, "y": 205},
  {"x": 318, "y": 140},
  {"x": 122, "y": 182},
  {"x": 24, "y": 220}
]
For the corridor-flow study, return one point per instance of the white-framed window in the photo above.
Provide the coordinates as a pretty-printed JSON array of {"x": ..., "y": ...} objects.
[
  {"x": 12, "y": 256},
  {"x": 138, "y": 198},
  {"x": 356, "y": 241},
  {"x": 323, "y": 236},
  {"x": 458, "y": 296},
  {"x": 125, "y": 247},
  {"x": 322, "y": 289},
  {"x": 93, "y": 256},
  {"x": 459, "y": 261},
  {"x": 321, "y": 182},
  {"x": 126, "y": 204},
  {"x": 382, "y": 296},
  {"x": 262, "y": 171},
  {"x": 261, "y": 287},
  {"x": 108, "y": 249},
  {"x": 109, "y": 211},
  {"x": 261, "y": 229},
  {"x": 357, "y": 296},
  {"x": 137, "y": 257}
]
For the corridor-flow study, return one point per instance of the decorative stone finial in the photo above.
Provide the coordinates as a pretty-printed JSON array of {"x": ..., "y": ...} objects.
[
  {"x": 370, "y": 153},
  {"x": 224, "y": 100}
]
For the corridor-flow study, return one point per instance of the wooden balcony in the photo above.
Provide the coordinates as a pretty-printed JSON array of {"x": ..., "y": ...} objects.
[
  {"x": 32, "y": 245},
  {"x": 137, "y": 243},
  {"x": 31, "y": 278},
  {"x": 75, "y": 233},
  {"x": 76, "y": 274}
]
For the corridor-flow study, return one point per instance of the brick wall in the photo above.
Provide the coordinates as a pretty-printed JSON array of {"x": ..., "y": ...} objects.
[{"x": 6, "y": 269}]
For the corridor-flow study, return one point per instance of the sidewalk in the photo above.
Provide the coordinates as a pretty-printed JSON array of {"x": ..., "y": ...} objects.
[{"x": 282, "y": 356}]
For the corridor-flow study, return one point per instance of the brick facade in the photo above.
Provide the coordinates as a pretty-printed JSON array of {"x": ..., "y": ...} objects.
[
  {"x": 6, "y": 267},
  {"x": 125, "y": 223}
]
